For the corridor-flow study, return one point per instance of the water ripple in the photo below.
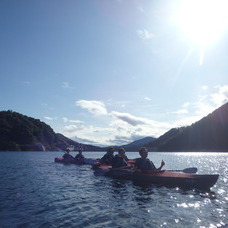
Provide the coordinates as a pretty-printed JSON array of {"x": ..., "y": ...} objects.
[{"x": 36, "y": 192}]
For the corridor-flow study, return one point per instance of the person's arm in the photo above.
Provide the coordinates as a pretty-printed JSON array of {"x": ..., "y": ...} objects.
[
  {"x": 135, "y": 165},
  {"x": 113, "y": 162},
  {"x": 149, "y": 167},
  {"x": 162, "y": 164}
]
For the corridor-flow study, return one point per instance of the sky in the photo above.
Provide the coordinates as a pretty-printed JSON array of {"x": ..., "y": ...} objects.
[{"x": 111, "y": 72}]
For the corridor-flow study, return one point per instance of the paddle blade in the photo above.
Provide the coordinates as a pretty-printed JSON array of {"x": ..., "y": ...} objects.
[{"x": 190, "y": 170}]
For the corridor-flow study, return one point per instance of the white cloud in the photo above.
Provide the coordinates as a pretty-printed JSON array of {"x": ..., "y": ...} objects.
[
  {"x": 204, "y": 87},
  {"x": 181, "y": 111},
  {"x": 186, "y": 121},
  {"x": 66, "y": 120},
  {"x": 119, "y": 140},
  {"x": 123, "y": 128},
  {"x": 203, "y": 109},
  {"x": 145, "y": 34},
  {"x": 221, "y": 97},
  {"x": 49, "y": 118},
  {"x": 147, "y": 99},
  {"x": 95, "y": 107},
  {"x": 127, "y": 125},
  {"x": 84, "y": 141},
  {"x": 208, "y": 101},
  {"x": 66, "y": 85},
  {"x": 70, "y": 129},
  {"x": 128, "y": 118},
  {"x": 85, "y": 133},
  {"x": 141, "y": 9},
  {"x": 74, "y": 128},
  {"x": 27, "y": 83}
]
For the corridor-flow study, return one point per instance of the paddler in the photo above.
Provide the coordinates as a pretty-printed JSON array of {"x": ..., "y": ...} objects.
[
  {"x": 120, "y": 159},
  {"x": 144, "y": 164},
  {"x": 79, "y": 156},
  {"x": 108, "y": 157},
  {"x": 67, "y": 154}
]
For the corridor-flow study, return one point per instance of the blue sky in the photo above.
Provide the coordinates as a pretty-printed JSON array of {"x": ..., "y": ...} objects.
[{"x": 111, "y": 72}]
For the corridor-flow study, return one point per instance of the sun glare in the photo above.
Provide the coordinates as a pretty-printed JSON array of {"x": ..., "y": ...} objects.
[{"x": 203, "y": 22}]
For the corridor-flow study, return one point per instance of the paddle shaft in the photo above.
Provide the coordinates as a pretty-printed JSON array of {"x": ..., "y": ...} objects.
[{"x": 187, "y": 170}]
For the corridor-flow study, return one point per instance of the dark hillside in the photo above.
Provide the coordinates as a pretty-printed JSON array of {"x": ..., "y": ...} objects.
[
  {"x": 139, "y": 142},
  {"x": 22, "y": 133},
  {"x": 208, "y": 134},
  {"x": 154, "y": 145}
]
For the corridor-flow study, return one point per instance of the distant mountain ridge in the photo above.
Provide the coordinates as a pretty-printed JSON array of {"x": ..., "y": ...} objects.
[
  {"x": 22, "y": 133},
  {"x": 140, "y": 142}
]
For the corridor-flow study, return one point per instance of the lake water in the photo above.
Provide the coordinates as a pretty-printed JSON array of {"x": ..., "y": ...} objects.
[{"x": 37, "y": 192}]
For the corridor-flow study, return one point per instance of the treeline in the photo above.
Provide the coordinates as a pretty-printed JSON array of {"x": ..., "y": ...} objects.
[{"x": 21, "y": 133}]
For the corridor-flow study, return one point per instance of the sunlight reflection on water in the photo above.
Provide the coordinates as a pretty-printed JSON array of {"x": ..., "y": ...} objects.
[{"x": 40, "y": 193}]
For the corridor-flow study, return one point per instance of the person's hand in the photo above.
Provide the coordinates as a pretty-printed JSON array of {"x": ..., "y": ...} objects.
[{"x": 162, "y": 163}]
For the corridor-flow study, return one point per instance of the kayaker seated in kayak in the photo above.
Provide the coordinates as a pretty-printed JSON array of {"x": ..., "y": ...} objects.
[
  {"x": 120, "y": 159},
  {"x": 144, "y": 164},
  {"x": 67, "y": 155},
  {"x": 108, "y": 157},
  {"x": 79, "y": 156}
]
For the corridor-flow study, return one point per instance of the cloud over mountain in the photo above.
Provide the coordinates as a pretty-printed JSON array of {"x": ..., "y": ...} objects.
[{"x": 95, "y": 107}]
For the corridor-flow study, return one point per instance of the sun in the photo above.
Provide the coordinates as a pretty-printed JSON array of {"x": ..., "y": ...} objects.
[{"x": 203, "y": 22}]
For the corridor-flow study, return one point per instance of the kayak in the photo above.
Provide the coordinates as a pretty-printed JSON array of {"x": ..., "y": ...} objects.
[
  {"x": 99, "y": 166},
  {"x": 175, "y": 179},
  {"x": 161, "y": 178},
  {"x": 86, "y": 161}
]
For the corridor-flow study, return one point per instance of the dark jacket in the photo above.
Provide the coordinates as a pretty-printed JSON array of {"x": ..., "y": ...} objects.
[
  {"x": 67, "y": 156},
  {"x": 79, "y": 157},
  {"x": 144, "y": 164},
  {"x": 119, "y": 161},
  {"x": 107, "y": 159}
]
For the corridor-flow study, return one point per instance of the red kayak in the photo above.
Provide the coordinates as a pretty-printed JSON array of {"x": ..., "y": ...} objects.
[
  {"x": 86, "y": 161},
  {"x": 163, "y": 178},
  {"x": 175, "y": 179}
]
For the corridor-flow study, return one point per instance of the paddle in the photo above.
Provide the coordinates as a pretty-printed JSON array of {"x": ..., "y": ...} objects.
[{"x": 187, "y": 170}]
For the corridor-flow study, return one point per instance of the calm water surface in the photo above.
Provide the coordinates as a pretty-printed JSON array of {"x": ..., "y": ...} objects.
[{"x": 37, "y": 192}]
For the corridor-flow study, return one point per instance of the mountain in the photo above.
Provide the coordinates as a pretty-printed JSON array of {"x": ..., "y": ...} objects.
[
  {"x": 154, "y": 145},
  {"x": 208, "y": 134},
  {"x": 64, "y": 142},
  {"x": 140, "y": 142},
  {"x": 22, "y": 133}
]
